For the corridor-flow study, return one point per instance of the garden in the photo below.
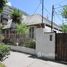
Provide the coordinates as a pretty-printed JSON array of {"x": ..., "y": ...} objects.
[
  {"x": 17, "y": 37},
  {"x": 20, "y": 36},
  {"x": 4, "y": 52},
  {"x": 2, "y": 65}
]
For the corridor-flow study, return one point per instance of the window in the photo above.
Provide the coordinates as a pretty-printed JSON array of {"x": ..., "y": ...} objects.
[
  {"x": 51, "y": 37},
  {"x": 31, "y": 32}
]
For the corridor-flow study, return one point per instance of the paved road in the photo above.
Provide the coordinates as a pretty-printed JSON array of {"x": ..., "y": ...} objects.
[{"x": 17, "y": 59}]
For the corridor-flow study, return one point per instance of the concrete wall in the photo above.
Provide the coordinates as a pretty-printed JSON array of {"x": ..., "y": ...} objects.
[
  {"x": 45, "y": 47},
  {"x": 48, "y": 29},
  {"x": 23, "y": 49}
]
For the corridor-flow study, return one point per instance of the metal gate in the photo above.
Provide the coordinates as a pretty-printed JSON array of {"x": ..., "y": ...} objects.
[{"x": 61, "y": 46}]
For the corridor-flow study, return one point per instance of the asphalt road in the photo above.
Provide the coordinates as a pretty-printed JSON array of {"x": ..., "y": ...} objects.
[{"x": 16, "y": 59}]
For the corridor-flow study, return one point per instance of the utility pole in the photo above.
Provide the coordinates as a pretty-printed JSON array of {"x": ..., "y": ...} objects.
[
  {"x": 42, "y": 10},
  {"x": 1, "y": 18},
  {"x": 42, "y": 24},
  {"x": 52, "y": 18}
]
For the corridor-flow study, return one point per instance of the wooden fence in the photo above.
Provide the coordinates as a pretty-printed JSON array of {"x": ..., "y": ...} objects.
[{"x": 61, "y": 46}]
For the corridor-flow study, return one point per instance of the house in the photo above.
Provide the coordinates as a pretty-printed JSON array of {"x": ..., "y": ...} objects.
[
  {"x": 9, "y": 27},
  {"x": 36, "y": 21},
  {"x": 31, "y": 20},
  {"x": 5, "y": 17}
]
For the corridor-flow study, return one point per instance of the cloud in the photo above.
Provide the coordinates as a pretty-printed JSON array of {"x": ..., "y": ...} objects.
[{"x": 9, "y": 4}]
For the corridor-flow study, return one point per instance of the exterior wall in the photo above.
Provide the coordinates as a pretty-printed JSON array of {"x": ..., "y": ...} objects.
[
  {"x": 22, "y": 49},
  {"x": 45, "y": 47},
  {"x": 37, "y": 19},
  {"x": 48, "y": 29},
  {"x": 4, "y": 22}
]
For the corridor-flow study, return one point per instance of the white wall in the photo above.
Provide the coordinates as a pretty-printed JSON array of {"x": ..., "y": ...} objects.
[
  {"x": 45, "y": 47},
  {"x": 48, "y": 29},
  {"x": 22, "y": 49}
]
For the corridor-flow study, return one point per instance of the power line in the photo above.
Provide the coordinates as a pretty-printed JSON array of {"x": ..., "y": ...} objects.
[
  {"x": 58, "y": 12},
  {"x": 42, "y": 9},
  {"x": 60, "y": 2},
  {"x": 37, "y": 8},
  {"x": 57, "y": 15},
  {"x": 47, "y": 11},
  {"x": 52, "y": 16},
  {"x": 60, "y": 7}
]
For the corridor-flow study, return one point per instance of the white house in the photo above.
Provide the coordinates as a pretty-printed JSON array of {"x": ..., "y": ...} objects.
[
  {"x": 45, "y": 39},
  {"x": 35, "y": 21}
]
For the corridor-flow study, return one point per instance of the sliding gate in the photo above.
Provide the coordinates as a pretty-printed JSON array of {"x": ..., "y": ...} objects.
[{"x": 61, "y": 46}]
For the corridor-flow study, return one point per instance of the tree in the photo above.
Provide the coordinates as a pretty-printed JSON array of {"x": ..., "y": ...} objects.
[
  {"x": 64, "y": 15},
  {"x": 22, "y": 28},
  {"x": 16, "y": 16},
  {"x": 64, "y": 28},
  {"x": 2, "y": 4},
  {"x": 64, "y": 12},
  {"x": 1, "y": 37}
]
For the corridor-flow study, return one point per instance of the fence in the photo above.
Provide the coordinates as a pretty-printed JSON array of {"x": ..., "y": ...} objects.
[
  {"x": 14, "y": 38},
  {"x": 61, "y": 46}
]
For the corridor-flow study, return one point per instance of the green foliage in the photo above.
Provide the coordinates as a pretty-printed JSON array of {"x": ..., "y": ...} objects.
[
  {"x": 1, "y": 37},
  {"x": 64, "y": 28},
  {"x": 64, "y": 12},
  {"x": 2, "y": 65},
  {"x": 22, "y": 28},
  {"x": 2, "y": 4},
  {"x": 31, "y": 44},
  {"x": 16, "y": 16},
  {"x": 4, "y": 51},
  {"x": 1, "y": 25}
]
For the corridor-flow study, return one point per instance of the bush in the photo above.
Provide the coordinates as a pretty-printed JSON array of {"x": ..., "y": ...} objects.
[
  {"x": 4, "y": 51},
  {"x": 1, "y": 37},
  {"x": 31, "y": 44},
  {"x": 2, "y": 65},
  {"x": 8, "y": 42}
]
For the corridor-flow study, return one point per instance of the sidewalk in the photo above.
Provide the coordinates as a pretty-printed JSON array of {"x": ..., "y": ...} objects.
[{"x": 17, "y": 59}]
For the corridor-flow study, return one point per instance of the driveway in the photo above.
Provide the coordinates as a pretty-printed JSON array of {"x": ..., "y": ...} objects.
[{"x": 17, "y": 59}]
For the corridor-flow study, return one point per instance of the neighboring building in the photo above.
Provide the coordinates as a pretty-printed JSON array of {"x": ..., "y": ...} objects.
[
  {"x": 6, "y": 14},
  {"x": 9, "y": 27}
]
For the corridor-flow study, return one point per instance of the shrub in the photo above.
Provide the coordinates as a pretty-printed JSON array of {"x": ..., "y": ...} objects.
[
  {"x": 31, "y": 44},
  {"x": 8, "y": 42},
  {"x": 2, "y": 65},
  {"x": 4, "y": 51},
  {"x": 1, "y": 37}
]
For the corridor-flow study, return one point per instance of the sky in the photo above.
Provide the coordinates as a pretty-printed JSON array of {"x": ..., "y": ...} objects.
[{"x": 30, "y": 6}]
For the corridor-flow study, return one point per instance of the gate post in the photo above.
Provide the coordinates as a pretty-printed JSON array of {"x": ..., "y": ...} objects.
[{"x": 45, "y": 44}]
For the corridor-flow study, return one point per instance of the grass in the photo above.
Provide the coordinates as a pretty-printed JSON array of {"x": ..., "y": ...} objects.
[{"x": 2, "y": 65}]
